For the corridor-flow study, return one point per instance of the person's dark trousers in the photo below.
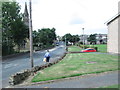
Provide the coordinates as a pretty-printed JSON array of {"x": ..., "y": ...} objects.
[{"x": 47, "y": 59}]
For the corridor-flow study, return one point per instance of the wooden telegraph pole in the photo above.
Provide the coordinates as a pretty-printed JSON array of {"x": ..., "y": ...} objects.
[{"x": 30, "y": 33}]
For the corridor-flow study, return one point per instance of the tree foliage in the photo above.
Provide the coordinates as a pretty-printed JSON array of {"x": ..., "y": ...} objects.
[
  {"x": 44, "y": 36},
  {"x": 14, "y": 30},
  {"x": 75, "y": 38},
  {"x": 71, "y": 38},
  {"x": 92, "y": 39}
]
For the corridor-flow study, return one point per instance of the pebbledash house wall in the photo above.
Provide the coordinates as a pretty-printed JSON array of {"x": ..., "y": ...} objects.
[
  {"x": 119, "y": 28},
  {"x": 113, "y": 43}
]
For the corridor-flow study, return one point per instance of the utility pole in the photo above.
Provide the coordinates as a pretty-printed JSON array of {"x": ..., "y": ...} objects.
[
  {"x": 30, "y": 33},
  {"x": 65, "y": 43},
  {"x": 83, "y": 38}
]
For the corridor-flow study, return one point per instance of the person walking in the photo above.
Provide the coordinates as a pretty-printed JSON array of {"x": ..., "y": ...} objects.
[{"x": 47, "y": 56}]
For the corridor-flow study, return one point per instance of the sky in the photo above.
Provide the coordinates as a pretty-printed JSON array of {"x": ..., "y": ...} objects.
[{"x": 70, "y": 16}]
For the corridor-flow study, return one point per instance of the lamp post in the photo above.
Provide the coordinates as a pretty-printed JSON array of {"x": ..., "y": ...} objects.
[
  {"x": 83, "y": 38},
  {"x": 30, "y": 33}
]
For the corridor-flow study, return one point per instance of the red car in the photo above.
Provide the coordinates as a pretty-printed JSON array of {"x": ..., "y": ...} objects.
[{"x": 89, "y": 50}]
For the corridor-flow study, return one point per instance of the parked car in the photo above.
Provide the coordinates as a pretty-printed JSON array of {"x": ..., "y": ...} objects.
[
  {"x": 89, "y": 50},
  {"x": 57, "y": 44}
]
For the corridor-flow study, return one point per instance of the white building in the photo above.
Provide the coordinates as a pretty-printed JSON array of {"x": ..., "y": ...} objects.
[
  {"x": 113, "y": 44},
  {"x": 83, "y": 38},
  {"x": 101, "y": 38}
]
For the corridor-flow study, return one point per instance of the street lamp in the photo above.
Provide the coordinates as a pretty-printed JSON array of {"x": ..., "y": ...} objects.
[
  {"x": 30, "y": 32},
  {"x": 83, "y": 38}
]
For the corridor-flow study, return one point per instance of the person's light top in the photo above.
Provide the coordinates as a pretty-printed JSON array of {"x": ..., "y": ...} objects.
[{"x": 47, "y": 54}]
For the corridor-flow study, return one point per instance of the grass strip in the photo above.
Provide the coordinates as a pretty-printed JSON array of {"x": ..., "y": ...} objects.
[
  {"x": 74, "y": 49},
  {"x": 78, "y": 64},
  {"x": 101, "y": 47},
  {"x": 112, "y": 86}
]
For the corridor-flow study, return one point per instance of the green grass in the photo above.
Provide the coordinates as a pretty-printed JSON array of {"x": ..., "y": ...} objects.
[
  {"x": 78, "y": 64},
  {"x": 101, "y": 48},
  {"x": 112, "y": 86},
  {"x": 74, "y": 48}
]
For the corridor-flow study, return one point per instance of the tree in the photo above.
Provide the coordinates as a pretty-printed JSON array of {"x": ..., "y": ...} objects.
[
  {"x": 92, "y": 39},
  {"x": 47, "y": 36},
  {"x": 68, "y": 37},
  {"x": 35, "y": 38},
  {"x": 71, "y": 38},
  {"x": 13, "y": 28},
  {"x": 75, "y": 38},
  {"x": 44, "y": 36}
]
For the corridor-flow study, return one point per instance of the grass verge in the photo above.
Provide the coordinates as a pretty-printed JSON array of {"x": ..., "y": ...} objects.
[
  {"x": 78, "y": 64},
  {"x": 112, "y": 86},
  {"x": 74, "y": 49},
  {"x": 101, "y": 47}
]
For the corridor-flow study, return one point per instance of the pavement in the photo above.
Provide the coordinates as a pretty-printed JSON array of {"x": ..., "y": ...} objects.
[{"x": 85, "y": 81}]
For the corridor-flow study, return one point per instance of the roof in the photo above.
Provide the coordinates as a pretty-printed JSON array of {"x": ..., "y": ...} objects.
[{"x": 113, "y": 18}]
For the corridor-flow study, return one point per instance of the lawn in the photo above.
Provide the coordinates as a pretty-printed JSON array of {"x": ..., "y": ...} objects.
[
  {"x": 101, "y": 47},
  {"x": 74, "y": 48},
  {"x": 78, "y": 64}
]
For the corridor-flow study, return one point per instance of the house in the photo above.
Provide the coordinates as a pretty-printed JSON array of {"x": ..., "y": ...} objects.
[
  {"x": 113, "y": 43},
  {"x": 101, "y": 38},
  {"x": 83, "y": 38}
]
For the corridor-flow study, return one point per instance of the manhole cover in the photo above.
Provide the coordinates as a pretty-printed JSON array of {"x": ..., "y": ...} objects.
[{"x": 90, "y": 62}]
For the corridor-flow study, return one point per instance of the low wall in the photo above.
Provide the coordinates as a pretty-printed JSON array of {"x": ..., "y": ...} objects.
[{"x": 21, "y": 76}]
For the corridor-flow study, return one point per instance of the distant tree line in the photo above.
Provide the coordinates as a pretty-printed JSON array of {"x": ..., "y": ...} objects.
[{"x": 75, "y": 39}]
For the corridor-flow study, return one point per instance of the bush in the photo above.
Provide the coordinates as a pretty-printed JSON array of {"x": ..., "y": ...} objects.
[{"x": 96, "y": 48}]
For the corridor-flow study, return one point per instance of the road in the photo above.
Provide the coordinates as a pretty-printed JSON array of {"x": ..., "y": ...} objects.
[
  {"x": 16, "y": 64},
  {"x": 86, "y": 81}
]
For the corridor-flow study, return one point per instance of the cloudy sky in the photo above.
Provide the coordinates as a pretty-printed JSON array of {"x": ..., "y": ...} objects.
[{"x": 70, "y": 16}]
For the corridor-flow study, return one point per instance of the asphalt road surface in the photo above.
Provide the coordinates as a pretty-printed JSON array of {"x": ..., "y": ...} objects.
[{"x": 19, "y": 63}]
